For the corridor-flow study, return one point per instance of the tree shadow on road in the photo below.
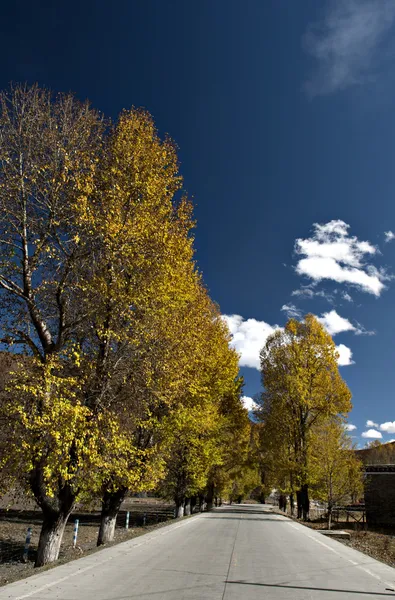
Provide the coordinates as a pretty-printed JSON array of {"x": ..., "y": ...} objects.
[
  {"x": 242, "y": 510},
  {"x": 301, "y": 587},
  {"x": 212, "y": 516}
]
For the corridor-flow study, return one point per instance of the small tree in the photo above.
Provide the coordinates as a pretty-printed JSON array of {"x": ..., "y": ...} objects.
[{"x": 335, "y": 470}]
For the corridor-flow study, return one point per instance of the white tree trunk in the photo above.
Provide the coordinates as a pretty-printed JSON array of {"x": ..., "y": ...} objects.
[
  {"x": 187, "y": 510},
  {"x": 107, "y": 530},
  {"x": 111, "y": 503},
  {"x": 50, "y": 539},
  {"x": 180, "y": 510}
]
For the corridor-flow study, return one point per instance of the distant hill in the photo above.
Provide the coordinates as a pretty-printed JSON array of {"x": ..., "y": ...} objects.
[{"x": 378, "y": 454}]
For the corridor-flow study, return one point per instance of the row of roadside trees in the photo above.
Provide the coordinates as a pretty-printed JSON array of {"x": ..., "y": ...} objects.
[
  {"x": 118, "y": 374},
  {"x": 117, "y": 371}
]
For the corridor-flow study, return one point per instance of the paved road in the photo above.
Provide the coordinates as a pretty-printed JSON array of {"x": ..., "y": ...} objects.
[{"x": 237, "y": 552}]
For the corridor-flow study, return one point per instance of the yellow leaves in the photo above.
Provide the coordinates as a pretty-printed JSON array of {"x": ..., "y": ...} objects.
[
  {"x": 334, "y": 469},
  {"x": 303, "y": 388},
  {"x": 153, "y": 349}
]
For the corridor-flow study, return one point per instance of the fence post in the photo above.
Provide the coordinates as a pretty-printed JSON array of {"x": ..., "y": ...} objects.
[
  {"x": 76, "y": 523},
  {"x": 27, "y": 544},
  {"x": 144, "y": 519},
  {"x": 127, "y": 520}
]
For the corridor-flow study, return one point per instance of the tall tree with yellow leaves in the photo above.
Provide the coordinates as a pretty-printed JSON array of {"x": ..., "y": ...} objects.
[
  {"x": 147, "y": 341},
  {"x": 49, "y": 149},
  {"x": 303, "y": 387}
]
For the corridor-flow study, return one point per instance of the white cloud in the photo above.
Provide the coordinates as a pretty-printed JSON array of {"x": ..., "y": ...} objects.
[
  {"x": 372, "y": 433},
  {"x": 330, "y": 253},
  {"x": 334, "y": 323},
  {"x": 308, "y": 292},
  {"x": 345, "y": 44},
  {"x": 370, "y": 423},
  {"x": 291, "y": 311},
  {"x": 389, "y": 236},
  {"x": 304, "y": 292},
  {"x": 347, "y": 297},
  {"x": 388, "y": 427},
  {"x": 360, "y": 330},
  {"x": 349, "y": 427},
  {"x": 249, "y": 403},
  {"x": 345, "y": 356},
  {"x": 249, "y": 337}
]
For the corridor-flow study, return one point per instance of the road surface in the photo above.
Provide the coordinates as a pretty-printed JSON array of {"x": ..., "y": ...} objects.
[{"x": 235, "y": 552}]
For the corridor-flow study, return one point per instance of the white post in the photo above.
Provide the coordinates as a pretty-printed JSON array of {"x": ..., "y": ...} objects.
[
  {"x": 76, "y": 523},
  {"x": 27, "y": 544}
]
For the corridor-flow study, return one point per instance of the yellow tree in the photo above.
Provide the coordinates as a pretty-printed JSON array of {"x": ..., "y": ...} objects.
[
  {"x": 276, "y": 457},
  {"x": 49, "y": 148},
  {"x": 336, "y": 472},
  {"x": 147, "y": 277},
  {"x": 302, "y": 388},
  {"x": 192, "y": 435},
  {"x": 236, "y": 465},
  {"x": 157, "y": 338},
  {"x": 210, "y": 371}
]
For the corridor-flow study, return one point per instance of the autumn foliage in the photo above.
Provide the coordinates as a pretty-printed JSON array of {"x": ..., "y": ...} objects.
[
  {"x": 302, "y": 411},
  {"x": 119, "y": 358},
  {"x": 117, "y": 373}
]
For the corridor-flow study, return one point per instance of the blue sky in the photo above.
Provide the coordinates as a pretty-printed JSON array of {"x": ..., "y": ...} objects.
[{"x": 284, "y": 115}]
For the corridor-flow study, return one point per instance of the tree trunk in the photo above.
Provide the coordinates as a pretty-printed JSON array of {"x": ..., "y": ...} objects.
[
  {"x": 56, "y": 511},
  {"x": 201, "y": 503},
  {"x": 305, "y": 501},
  {"x": 282, "y": 502},
  {"x": 179, "y": 509},
  {"x": 193, "y": 504},
  {"x": 111, "y": 503},
  {"x": 329, "y": 516},
  {"x": 51, "y": 537},
  {"x": 292, "y": 504},
  {"x": 299, "y": 503},
  {"x": 210, "y": 496},
  {"x": 187, "y": 507}
]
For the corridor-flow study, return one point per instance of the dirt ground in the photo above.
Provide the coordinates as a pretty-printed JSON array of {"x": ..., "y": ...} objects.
[
  {"x": 378, "y": 544},
  {"x": 144, "y": 517}
]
